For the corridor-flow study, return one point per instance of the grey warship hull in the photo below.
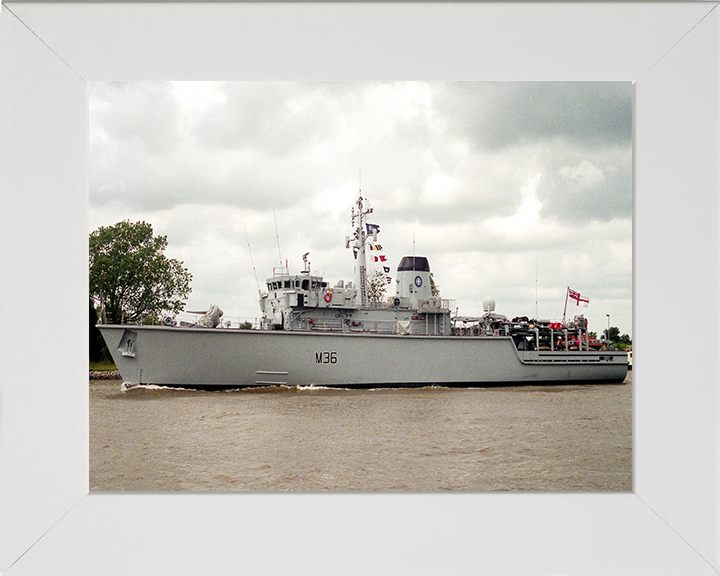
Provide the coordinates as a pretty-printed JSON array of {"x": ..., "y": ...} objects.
[
  {"x": 232, "y": 358},
  {"x": 345, "y": 335}
]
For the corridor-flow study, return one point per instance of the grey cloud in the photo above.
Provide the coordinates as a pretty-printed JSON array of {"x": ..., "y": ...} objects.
[
  {"x": 496, "y": 115},
  {"x": 162, "y": 184},
  {"x": 146, "y": 113},
  {"x": 273, "y": 117},
  {"x": 580, "y": 134},
  {"x": 478, "y": 202},
  {"x": 282, "y": 118},
  {"x": 257, "y": 147},
  {"x": 581, "y": 188},
  {"x": 191, "y": 177}
]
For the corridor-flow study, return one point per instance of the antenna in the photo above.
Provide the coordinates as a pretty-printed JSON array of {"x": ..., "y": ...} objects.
[
  {"x": 536, "y": 289},
  {"x": 277, "y": 236},
  {"x": 252, "y": 261},
  {"x": 414, "y": 224}
]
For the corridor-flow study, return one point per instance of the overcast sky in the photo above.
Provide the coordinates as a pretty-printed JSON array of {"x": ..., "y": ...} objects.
[{"x": 512, "y": 190}]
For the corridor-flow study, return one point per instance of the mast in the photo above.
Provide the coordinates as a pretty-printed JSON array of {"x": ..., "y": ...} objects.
[{"x": 359, "y": 212}]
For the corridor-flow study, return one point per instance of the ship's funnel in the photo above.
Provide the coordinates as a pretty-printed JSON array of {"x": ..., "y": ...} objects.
[{"x": 413, "y": 278}]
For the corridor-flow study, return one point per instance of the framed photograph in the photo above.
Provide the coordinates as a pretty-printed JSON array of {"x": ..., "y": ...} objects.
[{"x": 49, "y": 520}]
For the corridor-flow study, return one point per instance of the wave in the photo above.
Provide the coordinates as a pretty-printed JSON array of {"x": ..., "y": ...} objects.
[
  {"x": 129, "y": 386},
  {"x": 279, "y": 388}
]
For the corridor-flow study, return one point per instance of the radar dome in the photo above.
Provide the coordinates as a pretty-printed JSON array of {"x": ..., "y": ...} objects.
[{"x": 489, "y": 304}]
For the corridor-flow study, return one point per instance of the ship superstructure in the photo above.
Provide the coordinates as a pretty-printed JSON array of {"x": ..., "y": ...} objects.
[{"x": 306, "y": 302}]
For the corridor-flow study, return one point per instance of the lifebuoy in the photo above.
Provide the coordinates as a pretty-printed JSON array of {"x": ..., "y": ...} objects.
[{"x": 328, "y": 296}]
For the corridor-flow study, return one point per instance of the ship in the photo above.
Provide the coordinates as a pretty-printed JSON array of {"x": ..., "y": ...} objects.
[{"x": 316, "y": 334}]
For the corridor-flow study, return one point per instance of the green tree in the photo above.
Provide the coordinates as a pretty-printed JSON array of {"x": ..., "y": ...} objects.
[
  {"x": 612, "y": 334},
  {"x": 376, "y": 287},
  {"x": 131, "y": 279},
  {"x": 434, "y": 290}
]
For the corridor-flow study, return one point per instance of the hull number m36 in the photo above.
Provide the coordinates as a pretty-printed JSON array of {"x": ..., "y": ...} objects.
[{"x": 326, "y": 357}]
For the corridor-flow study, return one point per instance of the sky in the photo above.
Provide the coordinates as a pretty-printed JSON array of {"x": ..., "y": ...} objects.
[{"x": 513, "y": 190}]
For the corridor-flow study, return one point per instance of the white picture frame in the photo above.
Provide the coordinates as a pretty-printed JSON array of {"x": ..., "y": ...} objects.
[{"x": 49, "y": 523}]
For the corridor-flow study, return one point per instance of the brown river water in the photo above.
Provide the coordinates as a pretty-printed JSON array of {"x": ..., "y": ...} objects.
[{"x": 534, "y": 438}]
